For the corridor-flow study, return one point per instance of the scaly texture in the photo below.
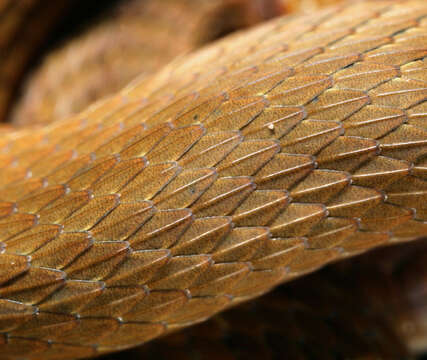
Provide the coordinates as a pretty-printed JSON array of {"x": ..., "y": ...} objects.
[
  {"x": 336, "y": 313},
  {"x": 251, "y": 162}
]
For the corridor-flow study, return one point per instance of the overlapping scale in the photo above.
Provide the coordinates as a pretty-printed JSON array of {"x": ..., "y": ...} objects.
[{"x": 251, "y": 162}]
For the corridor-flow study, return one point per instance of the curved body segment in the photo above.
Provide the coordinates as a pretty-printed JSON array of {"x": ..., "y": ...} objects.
[{"x": 246, "y": 164}]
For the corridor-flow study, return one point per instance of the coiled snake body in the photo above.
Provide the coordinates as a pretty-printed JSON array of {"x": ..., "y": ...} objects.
[{"x": 246, "y": 164}]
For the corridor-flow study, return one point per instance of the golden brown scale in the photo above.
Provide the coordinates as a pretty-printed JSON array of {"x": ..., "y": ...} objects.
[
  {"x": 306, "y": 6},
  {"x": 249, "y": 163},
  {"x": 336, "y": 313}
]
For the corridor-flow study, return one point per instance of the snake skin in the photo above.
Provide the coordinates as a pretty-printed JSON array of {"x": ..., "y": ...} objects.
[
  {"x": 336, "y": 313},
  {"x": 249, "y": 163}
]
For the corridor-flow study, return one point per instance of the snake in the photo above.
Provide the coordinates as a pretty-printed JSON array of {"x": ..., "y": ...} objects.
[{"x": 250, "y": 162}]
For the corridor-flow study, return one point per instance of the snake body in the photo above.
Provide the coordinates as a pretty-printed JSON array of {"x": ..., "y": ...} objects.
[
  {"x": 246, "y": 164},
  {"x": 368, "y": 307},
  {"x": 133, "y": 38}
]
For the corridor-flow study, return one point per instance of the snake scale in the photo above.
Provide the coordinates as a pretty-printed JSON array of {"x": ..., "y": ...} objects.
[{"x": 248, "y": 163}]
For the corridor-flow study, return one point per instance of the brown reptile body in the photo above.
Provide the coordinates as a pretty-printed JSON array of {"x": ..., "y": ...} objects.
[
  {"x": 369, "y": 307},
  {"x": 251, "y": 162}
]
